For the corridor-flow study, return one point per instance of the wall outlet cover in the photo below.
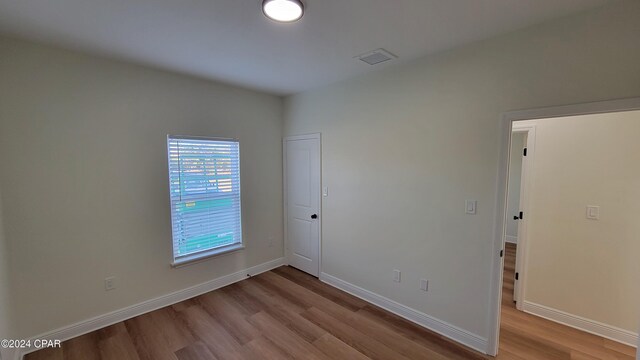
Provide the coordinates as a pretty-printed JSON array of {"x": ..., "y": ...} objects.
[
  {"x": 397, "y": 275},
  {"x": 110, "y": 283},
  {"x": 424, "y": 284}
]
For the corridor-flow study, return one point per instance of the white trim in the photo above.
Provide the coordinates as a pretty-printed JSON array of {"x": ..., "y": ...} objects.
[
  {"x": 501, "y": 193},
  {"x": 285, "y": 211},
  {"x": 497, "y": 261},
  {"x": 101, "y": 321},
  {"x": 312, "y": 136},
  {"x": 207, "y": 254},
  {"x": 511, "y": 239},
  {"x": 320, "y": 217},
  {"x": 452, "y": 332},
  {"x": 190, "y": 137},
  {"x": 598, "y": 107},
  {"x": 303, "y": 137},
  {"x": 577, "y": 322}
]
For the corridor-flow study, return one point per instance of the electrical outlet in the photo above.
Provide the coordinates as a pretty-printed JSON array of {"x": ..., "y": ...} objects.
[
  {"x": 396, "y": 275},
  {"x": 424, "y": 284},
  {"x": 110, "y": 283}
]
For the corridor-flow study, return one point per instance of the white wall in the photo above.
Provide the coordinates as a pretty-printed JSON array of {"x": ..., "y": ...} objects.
[
  {"x": 587, "y": 268},
  {"x": 515, "y": 178},
  {"x": 84, "y": 181},
  {"x": 5, "y": 305},
  {"x": 403, "y": 148}
]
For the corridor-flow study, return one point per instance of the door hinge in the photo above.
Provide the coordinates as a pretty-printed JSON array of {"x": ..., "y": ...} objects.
[
  {"x": 524, "y": 152},
  {"x": 517, "y": 276},
  {"x": 501, "y": 253}
]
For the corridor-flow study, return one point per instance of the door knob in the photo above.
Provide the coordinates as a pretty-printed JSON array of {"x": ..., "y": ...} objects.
[
  {"x": 516, "y": 218},
  {"x": 314, "y": 216}
]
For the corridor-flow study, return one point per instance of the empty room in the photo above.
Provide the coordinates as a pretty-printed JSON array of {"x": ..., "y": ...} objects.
[{"x": 319, "y": 179}]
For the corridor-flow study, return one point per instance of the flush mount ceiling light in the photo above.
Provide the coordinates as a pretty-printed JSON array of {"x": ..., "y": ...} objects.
[{"x": 283, "y": 10}]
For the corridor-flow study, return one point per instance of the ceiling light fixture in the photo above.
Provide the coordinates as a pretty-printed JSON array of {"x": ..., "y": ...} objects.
[{"x": 283, "y": 10}]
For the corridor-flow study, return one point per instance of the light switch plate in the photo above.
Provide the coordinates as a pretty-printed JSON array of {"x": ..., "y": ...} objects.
[
  {"x": 424, "y": 284},
  {"x": 397, "y": 275},
  {"x": 470, "y": 207},
  {"x": 593, "y": 212}
]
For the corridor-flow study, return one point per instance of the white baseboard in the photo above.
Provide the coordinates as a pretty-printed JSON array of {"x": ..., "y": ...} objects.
[
  {"x": 511, "y": 239},
  {"x": 443, "y": 328},
  {"x": 593, "y": 327},
  {"x": 99, "y": 322}
]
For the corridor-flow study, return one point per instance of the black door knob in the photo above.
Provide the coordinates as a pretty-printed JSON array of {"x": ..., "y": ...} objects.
[
  {"x": 314, "y": 216},
  {"x": 516, "y": 218}
]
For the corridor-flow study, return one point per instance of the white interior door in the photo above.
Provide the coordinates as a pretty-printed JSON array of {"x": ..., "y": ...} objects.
[
  {"x": 302, "y": 202},
  {"x": 517, "y": 210},
  {"x": 519, "y": 250},
  {"x": 527, "y": 174}
]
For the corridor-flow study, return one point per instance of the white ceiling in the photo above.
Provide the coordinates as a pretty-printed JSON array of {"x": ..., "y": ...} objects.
[{"x": 231, "y": 41}]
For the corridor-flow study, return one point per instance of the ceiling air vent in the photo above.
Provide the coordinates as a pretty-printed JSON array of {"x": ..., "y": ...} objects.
[{"x": 376, "y": 56}]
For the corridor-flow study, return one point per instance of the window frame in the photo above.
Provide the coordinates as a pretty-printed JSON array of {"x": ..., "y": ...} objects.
[{"x": 211, "y": 252}]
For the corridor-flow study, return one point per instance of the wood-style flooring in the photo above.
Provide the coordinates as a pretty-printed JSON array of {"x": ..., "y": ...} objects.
[
  {"x": 280, "y": 314},
  {"x": 287, "y": 314}
]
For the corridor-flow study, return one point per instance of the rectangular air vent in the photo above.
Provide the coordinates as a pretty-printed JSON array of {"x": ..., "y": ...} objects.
[{"x": 376, "y": 56}]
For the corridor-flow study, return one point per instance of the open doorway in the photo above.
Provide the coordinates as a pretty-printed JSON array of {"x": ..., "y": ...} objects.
[{"x": 568, "y": 283}]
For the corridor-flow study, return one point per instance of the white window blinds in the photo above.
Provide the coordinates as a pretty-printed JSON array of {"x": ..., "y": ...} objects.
[{"x": 204, "y": 182}]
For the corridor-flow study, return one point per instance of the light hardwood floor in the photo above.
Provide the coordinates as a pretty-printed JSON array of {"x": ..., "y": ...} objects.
[{"x": 286, "y": 314}]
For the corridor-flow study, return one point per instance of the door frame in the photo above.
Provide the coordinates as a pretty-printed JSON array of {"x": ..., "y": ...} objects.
[
  {"x": 500, "y": 201},
  {"x": 313, "y": 136},
  {"x": 526, "y": 184}
]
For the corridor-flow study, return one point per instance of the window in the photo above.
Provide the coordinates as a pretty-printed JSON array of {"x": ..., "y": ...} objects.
[{"x": 204, "y": 185}]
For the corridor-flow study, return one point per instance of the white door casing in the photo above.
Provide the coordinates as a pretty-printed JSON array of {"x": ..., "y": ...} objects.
[{"x": 302, "y": 194}]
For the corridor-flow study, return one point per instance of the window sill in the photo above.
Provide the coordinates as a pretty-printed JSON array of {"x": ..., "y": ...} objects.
[{"x": 206, "y": 255}]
